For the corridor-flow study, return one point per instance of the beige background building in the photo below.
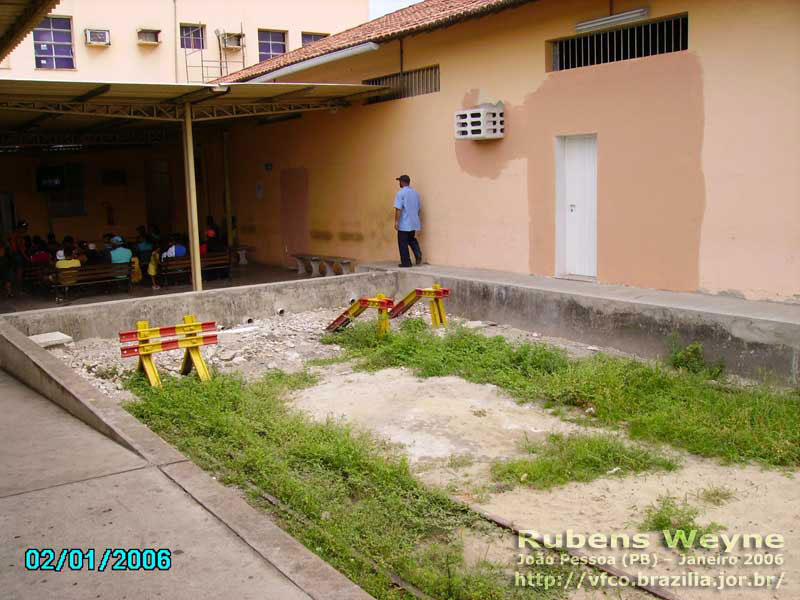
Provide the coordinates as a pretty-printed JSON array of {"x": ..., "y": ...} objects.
[{"x": 145, "y": 39}]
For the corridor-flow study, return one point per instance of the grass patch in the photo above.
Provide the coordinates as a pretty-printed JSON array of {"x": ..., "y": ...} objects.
[
  {"x": 357, "y": 501},
  {"x": 327, "y": 361},
  {"x": 460, "y": 461},
  {"x": 565, "y": 458},
  {"x": 676, "y": 523},
  {"x": 653, "y": 402},
  {"x": 716, "y": 495}
]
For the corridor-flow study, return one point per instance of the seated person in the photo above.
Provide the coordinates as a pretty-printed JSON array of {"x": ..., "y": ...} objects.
[
  {"x": 94, "y": 256},
  {"x": 213, "y": 243},
  {"x": 175, "y": 250},
  {"x": 65, "y": 262},
  {"x": 120, "y": 254},
  {"x": 144, "y": 245},
  {"x": 40, "y": 255},
  {"x": 83, "y": 252}
]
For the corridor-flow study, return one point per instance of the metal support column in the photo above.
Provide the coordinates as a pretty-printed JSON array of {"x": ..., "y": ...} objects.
[
  {"x": 226, "y": 149},
  {"x": 191, "y": 198}
]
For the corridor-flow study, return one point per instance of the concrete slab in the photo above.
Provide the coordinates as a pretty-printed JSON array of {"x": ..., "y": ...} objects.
[
  {"x": 43, "y": 446},
  {"x": 137, "y": 509},
  {"x": 53, "y": 338}
]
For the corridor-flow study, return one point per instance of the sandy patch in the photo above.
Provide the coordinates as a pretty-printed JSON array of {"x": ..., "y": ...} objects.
[{"x": 452, "y": 431}]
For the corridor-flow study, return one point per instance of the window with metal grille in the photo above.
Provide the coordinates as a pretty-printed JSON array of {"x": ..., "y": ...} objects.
[
  {"x": 407, "y": 84},
  {"x": 636, "y": 41},
  {"x": 270, "y": 43},
  {"x": 52, "y": 43},
  {"x": 310, "y": 38},
  {"x": 193, "y": 36}
]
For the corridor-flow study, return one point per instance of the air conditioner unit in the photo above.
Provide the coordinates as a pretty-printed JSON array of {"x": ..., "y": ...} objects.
[
  {"x": 484, "y": 122},
  {"x": 232, "y": 41},
  {"x": 97, "y": 37}
]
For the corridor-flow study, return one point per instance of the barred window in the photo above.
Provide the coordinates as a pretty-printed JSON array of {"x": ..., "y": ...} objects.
[
  {"x": 193, "y": 36},
  {"x": 270, "y": 43},
  {"x": 637, "y": 41},
  {"x": 52, "y": 44},
  {"x": 310, "y": 38},
  {"x": 406, "y": 84}
]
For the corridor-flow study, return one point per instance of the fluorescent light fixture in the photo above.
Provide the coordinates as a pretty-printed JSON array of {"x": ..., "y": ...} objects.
[{"x": 613, "y": 20}]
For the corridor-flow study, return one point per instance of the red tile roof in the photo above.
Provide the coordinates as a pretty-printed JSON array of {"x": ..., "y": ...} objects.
[{"x": 424, "y": 16}]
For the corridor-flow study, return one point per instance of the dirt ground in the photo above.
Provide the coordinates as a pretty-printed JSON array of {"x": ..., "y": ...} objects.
[{"x": 452, "y": 431}]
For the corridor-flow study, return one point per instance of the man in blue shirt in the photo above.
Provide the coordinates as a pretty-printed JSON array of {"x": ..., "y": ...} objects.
[
  {"x": 406, "y": 221},
  {"x": 120, "y": 254}
]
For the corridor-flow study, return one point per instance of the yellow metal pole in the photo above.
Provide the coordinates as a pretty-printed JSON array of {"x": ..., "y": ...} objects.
[
  {"x": 191, "y": 198},
  {"x": 226, "y": 149}
]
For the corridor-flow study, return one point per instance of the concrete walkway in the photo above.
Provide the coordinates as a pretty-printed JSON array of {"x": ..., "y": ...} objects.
[{"x": 64, "y": 485}]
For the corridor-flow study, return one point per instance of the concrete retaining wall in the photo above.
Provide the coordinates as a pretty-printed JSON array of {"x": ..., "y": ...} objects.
[
  {"x": 226, "y": 306},
  {"x": 752, "y": 347}
]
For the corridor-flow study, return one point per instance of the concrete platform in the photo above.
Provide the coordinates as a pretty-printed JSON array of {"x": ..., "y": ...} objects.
[
  {"x": 752, "y": 338},
  {"x": 64, "y": 485}
]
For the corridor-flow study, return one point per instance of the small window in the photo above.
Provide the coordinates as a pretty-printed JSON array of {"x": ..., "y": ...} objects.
[
  {"x": 310, "y": 38},
  {"x": 52, "y": 43},
  {"x": 406, "y": 84},
  {"x": 193, "y": 37},
  {"x": 148, "y": 36},
  {"x": 637, "y": 41},
  {"x": 270, "y": 43}
]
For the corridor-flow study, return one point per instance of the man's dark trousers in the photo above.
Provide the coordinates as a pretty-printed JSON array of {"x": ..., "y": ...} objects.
[{"x": 404, "y": 240}]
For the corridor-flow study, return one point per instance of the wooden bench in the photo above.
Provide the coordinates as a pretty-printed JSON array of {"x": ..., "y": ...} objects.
[
  {"x": 178, "y": 267},
  {"x": 64, "y": 280},
  {"x": 331, "y": 265}
]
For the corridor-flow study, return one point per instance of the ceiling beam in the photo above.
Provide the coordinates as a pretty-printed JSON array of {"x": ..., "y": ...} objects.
[{"x": 98, "y": 91}]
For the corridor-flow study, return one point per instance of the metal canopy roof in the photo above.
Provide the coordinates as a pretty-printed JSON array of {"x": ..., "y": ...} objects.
[
  {"x": 167, "y": 101},
  {"x": 18, "y": 18}
]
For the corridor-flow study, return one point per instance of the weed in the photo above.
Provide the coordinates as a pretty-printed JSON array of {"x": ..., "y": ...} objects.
[
  {"x": 676, "y": 523},
  {"x": 716, "y": 495},
  {"x": 654, "y": 403},
  {"x": 564, "y": 458},
  {"x": 109, "y": 372},
  {"x": 691, "y": 358},
  {"x": 358, "y": 501}
]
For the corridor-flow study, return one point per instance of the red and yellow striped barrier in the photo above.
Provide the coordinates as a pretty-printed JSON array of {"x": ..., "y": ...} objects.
[
  {"x": 149, "y": 344},
  {"x": 435, "y": 294},
  {"x": 380, "y": 302}
]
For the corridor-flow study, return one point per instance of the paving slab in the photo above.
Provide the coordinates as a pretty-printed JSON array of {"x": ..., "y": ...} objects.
[{"x": 53, "y": 338}]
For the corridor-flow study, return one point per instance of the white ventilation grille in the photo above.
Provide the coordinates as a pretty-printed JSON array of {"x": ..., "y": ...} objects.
[{"x": 484, "y": 122}]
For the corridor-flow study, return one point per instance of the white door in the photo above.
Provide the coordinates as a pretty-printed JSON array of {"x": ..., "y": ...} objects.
[{"x": 577, "y": 206}]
